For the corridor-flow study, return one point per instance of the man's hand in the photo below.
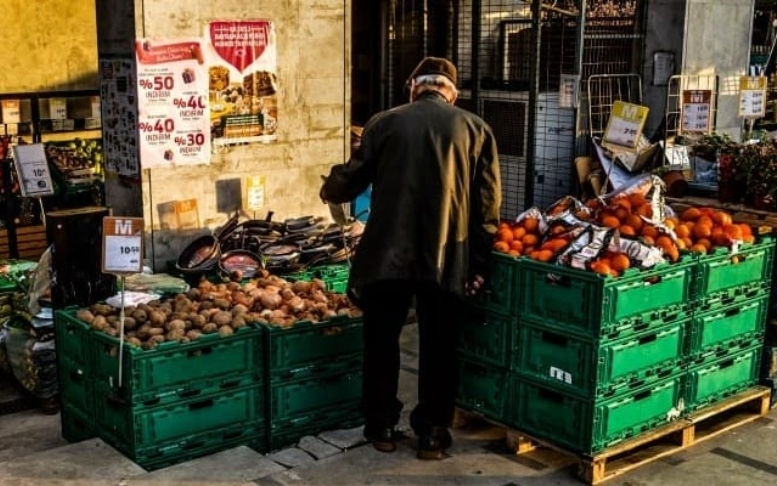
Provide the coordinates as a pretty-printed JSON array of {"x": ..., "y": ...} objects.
[{"x": 473, "y": 286}]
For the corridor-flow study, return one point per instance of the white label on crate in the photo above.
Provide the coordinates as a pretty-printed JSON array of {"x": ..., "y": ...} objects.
[{"x": 561, "y": 375}]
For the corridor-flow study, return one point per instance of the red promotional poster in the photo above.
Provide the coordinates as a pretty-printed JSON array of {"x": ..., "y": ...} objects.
[
  {"x": 242, "y": 81},
  {"x": 173, "y": 115}
]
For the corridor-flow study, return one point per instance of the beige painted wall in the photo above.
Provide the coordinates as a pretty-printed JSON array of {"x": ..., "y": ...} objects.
[
  {"x": 48, "y": 45},
  {"x": 313, "y": 39}
]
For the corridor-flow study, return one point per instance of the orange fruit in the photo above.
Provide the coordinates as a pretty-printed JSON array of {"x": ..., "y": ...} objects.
[
  {"x": 733, "y": 231},
  {"x": 627, "y": 230},
  {"x": 673, "y": 253},
  {"x": 721, "y": 218},
  {"x": 645, "y": 210},
  {"x": 648, "y": 240},
  {"x": 704, "y": 242},
  {"x": 529, "y": 240},
  {"x": 680, "y": 244},
  {"x": 702, "y": 229},
  {"x": 557, "y": 229},
  {"x": 610, "y": 221},
  {"x": 505, "y": 235},
  {"x": 518, "y": 232},
  {"x": 718, "y": 236},
  {"x": 690, "y": 214},
  {"x": 528, "y": 250},
  {"x": 514, "y": 253},
  {"x": 543, "y": 255},
  {"x": 649, "y": 230},
  {"x": 516, "y": 245},
  {"x": 748, "y": 239},
  {"x": 664, "y": 242},
  {"x": 555, "y": 245},
  {"x": 699, "y": 248},
  {"x": 621, "y": 202},
  {"x": 502, "y": 246},
  {"x": 620, "y": 262},
  {"x": 671, "y": 222},
  {"x": 530, "y": 224},
  {"x": 504, "y": 225},
  {"x": 688, "y": 241},
  {"x": 634, "y": 221},
  {"x": 682, "y": 230},
  {"x": 601, "y": 267},
  {"x": 704, "y": 219},
  {"x": 746, "y": 229},
  {"x": 636, "y": 199}
]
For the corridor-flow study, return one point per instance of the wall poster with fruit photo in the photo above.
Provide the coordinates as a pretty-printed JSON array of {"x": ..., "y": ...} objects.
[{"x": 242, "y": 81}]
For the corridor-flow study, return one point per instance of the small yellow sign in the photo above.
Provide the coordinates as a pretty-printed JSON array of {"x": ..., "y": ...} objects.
[
  {"x": 627, "y": 120},
  {"x": 752, "y": 96},
  {"x": 255, "y": 192}
]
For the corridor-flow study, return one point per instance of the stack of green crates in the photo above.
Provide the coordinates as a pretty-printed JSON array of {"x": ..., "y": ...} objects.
[
  {"x": 600, "y": 358},
  {"x": 487, "y": 339},
  {"x": 314, "y": 378},
  {"x": 726, "y": 332},
  {"x": 170, "y": 404}
]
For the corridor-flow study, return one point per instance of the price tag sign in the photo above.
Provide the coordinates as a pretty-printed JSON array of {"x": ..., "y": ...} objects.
[
  {"x": 187, "y": 214},
  {"x": 33, "y": 170},
  {"x": 57, "y": 108},
  {"x": 697, "y": 110},
  {"x": 255, "y": 190},
  {"x": 11, "y": 111},
  {"x": 122, "y": 245},
  {"x": 625, "y": 125},
  {"x": 752, "y": 96}
]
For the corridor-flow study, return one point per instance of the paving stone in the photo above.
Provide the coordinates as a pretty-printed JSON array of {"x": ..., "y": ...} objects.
[
  {"x": 344, "y": 438},
  {"x": 317, "y": 447},
  {"x": 292, "y": 457},
  {"x": 236, "y": 464}
]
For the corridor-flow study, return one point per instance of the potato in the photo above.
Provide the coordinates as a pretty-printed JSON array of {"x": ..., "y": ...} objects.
[
  {"x": 226, "y": 331},
  {"x": 198, "y": 320},
  {"x": 194, "y": 334},
  {"x": 174, "y": 325},
  {"x": 99, "y": 322},
  {"x": 155, "y": 331},
  {"x": 175, "y": 335},
  {"x": 221, "y": 318},
  {"x": 238, "y": 322},
  {"x": 223, "y": 304},
  {"x": 157, "y": 318},
  {"x": 300, "y": 287},
  {"x": 209, "y": 328},
  {"x": 85, "y": 315},
  {"x": 239, "y": 309},
  {"x": 193, "y": 294},
  {"x": 133, "y": 341}
]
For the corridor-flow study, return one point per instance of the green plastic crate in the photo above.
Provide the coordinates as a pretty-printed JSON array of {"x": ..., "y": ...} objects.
[
  {"x": 587, "y": 426},
  {"x": 308, "y": 348},
  {"x": 482, "y": 389},
  {"x": 72, "y": 337},
  {"x": 76, "y": 385},
  {"x": 284, "y": 433},
  {"x": 720, "y": 328},
  {"x": 587, "y": 303},
  {"x": 199, "y": 445},
  {"x": 174, "y": 371},
  {"x": 488, "y": 337},
  {"x": 302, "y": 398},
  {"x": 723, "y": 270},
  {"x": 595, "y": 368},
  {"x": 500, "y": 291},
  {"x": 77, "y": 425},
  {"x": 721, "y": 377},
  {"x": 132, "y": 429}
]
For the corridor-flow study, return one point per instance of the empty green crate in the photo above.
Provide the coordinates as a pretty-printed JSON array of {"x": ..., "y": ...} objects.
[
  {"x": 198, "y": 445},
  {"x": 482, "y": 389},
  {"x": 596, "y": 368},
  {"x": 308, "y": 348},
  {"x": 77, "y": 425},
  {"x": 500, "y": 292},
  {"x": 723, "y": 270},
  {"x": 173, "y": 371},
  {"x": 284, "y": 433},
  {"x": 586, "y": 303},
  {"x": 488, "y": 337},
  {"x": 720, "y": 328},
  {"x": 302, "y": 398},
  {"x": 132, "y": 429},
  {"x": 72, "y": 336},
  {"x": 719, "y": 377},
  {"x": 587, "y": 426},
  {"x": 75, "y": 385}
]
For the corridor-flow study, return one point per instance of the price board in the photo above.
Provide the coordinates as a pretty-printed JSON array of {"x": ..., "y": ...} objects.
[
  {"x": 696, "y": 110},
  {"x": 625, "y": 124},
  {"x": 33, "y": 170},
  {"x": 752, "y": 96},
  {"x": 122, "y": 245},
  {"x": 255, "y": 190}
]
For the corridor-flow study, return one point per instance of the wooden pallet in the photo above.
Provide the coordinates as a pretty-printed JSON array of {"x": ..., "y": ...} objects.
[
  {"x": 30, "y": 242},
  {"x": 666, "y": 440}
]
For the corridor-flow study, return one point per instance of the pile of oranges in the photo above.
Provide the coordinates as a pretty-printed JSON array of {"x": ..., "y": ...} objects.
[
  {"x": 700, "y": 230},
  {"x": 521, "y": 238},
  {"x": 611, "y": 263}
]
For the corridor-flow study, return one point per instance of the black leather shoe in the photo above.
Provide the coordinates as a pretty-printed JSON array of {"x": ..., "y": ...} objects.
[
  {"x": 432, "y": 446},
  {"x": 382, "y": 438}
]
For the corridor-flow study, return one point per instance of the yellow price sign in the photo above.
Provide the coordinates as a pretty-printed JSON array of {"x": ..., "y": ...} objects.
[
  {"x": 752, "y": 96},
  {"x": 627, "y": 120}
]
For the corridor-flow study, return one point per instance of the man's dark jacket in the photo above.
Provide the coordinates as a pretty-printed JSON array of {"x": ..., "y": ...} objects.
[{"x": 435, "y": 199}]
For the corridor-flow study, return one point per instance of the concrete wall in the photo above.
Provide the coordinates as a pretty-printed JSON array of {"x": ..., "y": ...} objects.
[
  {"x": 48, "y": 45},
  {"x": 313, "y": 38},
  {"x": 717, "y": 40}
]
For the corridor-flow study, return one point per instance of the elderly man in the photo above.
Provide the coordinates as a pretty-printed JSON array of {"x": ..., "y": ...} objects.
[{"x": 435, "y": 207}]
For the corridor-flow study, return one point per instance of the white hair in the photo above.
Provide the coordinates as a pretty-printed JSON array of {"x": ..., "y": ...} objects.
[{"x": 436, "y": 82}]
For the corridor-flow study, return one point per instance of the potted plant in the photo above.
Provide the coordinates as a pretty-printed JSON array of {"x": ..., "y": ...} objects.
[{"x": 760, "y": 165}]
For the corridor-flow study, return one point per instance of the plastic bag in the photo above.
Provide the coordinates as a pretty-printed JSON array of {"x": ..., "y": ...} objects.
[{"x": 32, "y": 357}]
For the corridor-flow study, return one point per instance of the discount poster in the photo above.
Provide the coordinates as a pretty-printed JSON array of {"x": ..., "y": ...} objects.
[
  {"x": 242, "y": 59},
  {"x": 173, "y": 116}
]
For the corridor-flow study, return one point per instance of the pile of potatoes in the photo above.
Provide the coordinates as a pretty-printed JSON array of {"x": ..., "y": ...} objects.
[{"x": 220, "y": 308}]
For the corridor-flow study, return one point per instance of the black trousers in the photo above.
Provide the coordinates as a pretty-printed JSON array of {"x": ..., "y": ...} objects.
[{"x": 385, "y": 306}]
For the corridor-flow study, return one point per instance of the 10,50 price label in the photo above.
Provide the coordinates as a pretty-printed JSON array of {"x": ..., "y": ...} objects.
[{"x": 122, "y": 245}]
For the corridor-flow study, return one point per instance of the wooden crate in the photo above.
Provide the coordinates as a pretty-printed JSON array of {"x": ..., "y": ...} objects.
[
  {"x": 702, "y": 425},
  {"x": 30, "y": 242}
]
